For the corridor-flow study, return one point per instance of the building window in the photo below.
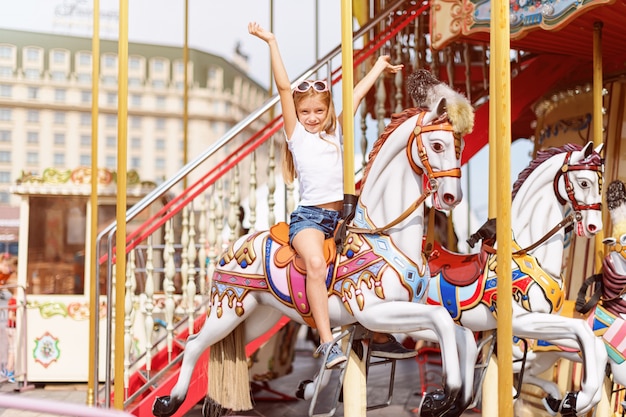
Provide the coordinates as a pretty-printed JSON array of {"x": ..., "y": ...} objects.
[
  {"x": 58, "y": 159},
  {"x": 85, "y": 140},
  {"x": 59, "y": 94},
  {"x": 134, "y": 63},
  {"x": 159, "y": 144},
  {"x": 111, "y": 120},
  {"x": 32, "y": 158},
  {"x": 32, "y": 116},
  {"x": 159, "y": 163},
  {"x": 5, "y": 52},
  {"x": 85, "y": 96},
  {"x": 4, "y": 198},
  {"x": 135, "y": 100},
  {"x": 5, "y": 90},
  {"x": 111, "y": 142},
  {"x": 59, "y": 117},
  {"x": 5, "y": 114},
  {"x": 59, "y": 138},
  {"x": 5, "y": 177},
  {"x": 135, "y": 162},
  {"x": 109, "y": 80},
  {"x": 5, "y": 136},
  {"x": 135, "y": 142},
  {"x": 85, "y": 160},
  {"x": 110, "y": 61},
  {"x": 32, "y": 55},
  {"x": 83, "y": 78},
  {"x": 134, "y": 82},
  {"x": 111, "y": 162},
  {"x": 158, "y": 65},
  {"x": 135, "y": 122},
  {"x": 6, "y": 72},
  {"x": 158, "y": 84},
  {"x": 85, "y": 119},
  {"x": 32, "y": 138},
  {"x": 58, "y": 76},
  {"x": 33, "y": 93},
  {"x": 160, "y": 123},
  {"x": 84, "y": 59},
  {"x": 58, "y": 57},
  {"x": 111, "y": 99},
  {"x": 5, "y": 156},
  {"x": 160, "y": 102},
  {"x": 32, "y": 74}
]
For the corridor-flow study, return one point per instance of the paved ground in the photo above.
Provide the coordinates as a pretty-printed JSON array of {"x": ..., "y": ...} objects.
[{"x": 406, "y": 391}]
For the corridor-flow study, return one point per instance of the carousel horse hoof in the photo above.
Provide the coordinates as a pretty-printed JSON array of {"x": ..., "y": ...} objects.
[
  {"x": 165, "y": 406},
  {"x": 457, "y": 408},
  {"x": 568, "y": 405},
  {"x": 435, "y": 404},
  {"x": 552, "y": 404},
  {"x": 302, "y": 388}
]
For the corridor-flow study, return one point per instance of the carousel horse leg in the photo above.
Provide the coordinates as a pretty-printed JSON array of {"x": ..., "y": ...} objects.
[
  {"x": 468, "y": 353},
  {"x": 407, "y": 317},
  {"x": 213, "y": 330},
  {"x": 573, "y": 333}
]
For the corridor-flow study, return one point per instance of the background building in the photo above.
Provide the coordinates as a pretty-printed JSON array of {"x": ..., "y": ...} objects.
[{"x": 45, "y": 105}]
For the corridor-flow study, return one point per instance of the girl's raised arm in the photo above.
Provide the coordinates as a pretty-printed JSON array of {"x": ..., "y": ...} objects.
[
  {"x": 281, "y": 78},
  {"x": 382, "y": 65}
]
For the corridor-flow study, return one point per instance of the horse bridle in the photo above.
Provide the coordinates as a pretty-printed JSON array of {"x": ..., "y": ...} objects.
[
  {"x": 566, "y": 168},
  {"x": 433, "y": 184}
]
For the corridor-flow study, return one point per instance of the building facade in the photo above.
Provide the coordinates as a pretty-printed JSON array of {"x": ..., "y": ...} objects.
[{"x": 46, "y": 98}]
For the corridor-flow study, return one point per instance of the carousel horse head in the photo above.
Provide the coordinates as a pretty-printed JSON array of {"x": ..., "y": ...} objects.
[{"x": 579, "y": 185}]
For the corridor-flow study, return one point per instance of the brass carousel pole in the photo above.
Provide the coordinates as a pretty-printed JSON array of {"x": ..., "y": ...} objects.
[
  {"x": 92, "y": 384},
  {"x": 120, "y": 235},
  {"x": 500, "y": 93},
  {"x": 604, "y": 406},
  {"x": 354, "y": 386}
]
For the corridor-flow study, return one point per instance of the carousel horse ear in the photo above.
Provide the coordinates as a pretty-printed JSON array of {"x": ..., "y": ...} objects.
[
  {"x": 599, "y": 148},
  {"x": 588, "y": 149}
]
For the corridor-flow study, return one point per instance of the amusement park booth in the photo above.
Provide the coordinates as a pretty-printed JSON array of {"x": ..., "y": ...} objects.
[{"x": 54, "y": 236}]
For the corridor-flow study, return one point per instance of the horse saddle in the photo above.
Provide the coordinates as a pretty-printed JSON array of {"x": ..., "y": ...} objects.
[
  {"x": 466, "y": 268},
  {"x": 286, "y": 254}
]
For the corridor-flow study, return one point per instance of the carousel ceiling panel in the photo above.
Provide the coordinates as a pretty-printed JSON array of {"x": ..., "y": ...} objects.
[{"x": 571, "y": 34}]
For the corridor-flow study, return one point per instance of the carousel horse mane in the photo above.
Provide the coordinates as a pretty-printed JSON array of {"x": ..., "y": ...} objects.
[
  {"x": 542, "y": 156},
  {"x": 396, "y": 120}
]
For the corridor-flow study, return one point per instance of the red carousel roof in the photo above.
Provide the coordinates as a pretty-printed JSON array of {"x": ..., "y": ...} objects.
[{"x": 557, "y": 39}]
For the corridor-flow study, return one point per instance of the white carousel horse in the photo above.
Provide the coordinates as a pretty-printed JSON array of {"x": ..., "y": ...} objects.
[
  {"x": 557, "y": 182},
  {"x": 378, "y": 279},
  {"x": 606, "y": 308}
]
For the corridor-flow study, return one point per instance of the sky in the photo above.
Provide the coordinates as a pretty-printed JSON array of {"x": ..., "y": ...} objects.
[{"x": 218, "y": 26}]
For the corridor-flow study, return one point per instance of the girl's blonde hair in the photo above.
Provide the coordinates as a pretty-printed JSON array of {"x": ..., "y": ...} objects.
[{"x": 328, "y": 126}]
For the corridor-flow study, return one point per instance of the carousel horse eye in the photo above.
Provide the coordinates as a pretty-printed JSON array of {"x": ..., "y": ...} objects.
[
  {"x": 584, "y": 184},
  {"x": 437, "y": 147},
  {"x": 610, "y": 240},
  {"x": 622, "y": 239}
]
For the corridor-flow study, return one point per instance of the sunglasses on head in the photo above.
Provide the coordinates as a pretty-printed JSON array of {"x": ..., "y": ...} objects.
[{"x": 318, "y": 85}]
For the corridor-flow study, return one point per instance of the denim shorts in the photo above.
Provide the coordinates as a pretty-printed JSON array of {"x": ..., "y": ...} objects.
[{"x": 311, "y": 217}]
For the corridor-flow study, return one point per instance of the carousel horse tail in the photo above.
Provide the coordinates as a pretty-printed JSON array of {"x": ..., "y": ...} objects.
[
  {"x": 486, "y": 233},
  {"x": 229, "y": 383}
]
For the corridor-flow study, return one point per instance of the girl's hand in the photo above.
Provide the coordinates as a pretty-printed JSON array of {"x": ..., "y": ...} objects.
[
  {"x": 255, "y": 29},
  {"x": 384, "y": 62}
]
